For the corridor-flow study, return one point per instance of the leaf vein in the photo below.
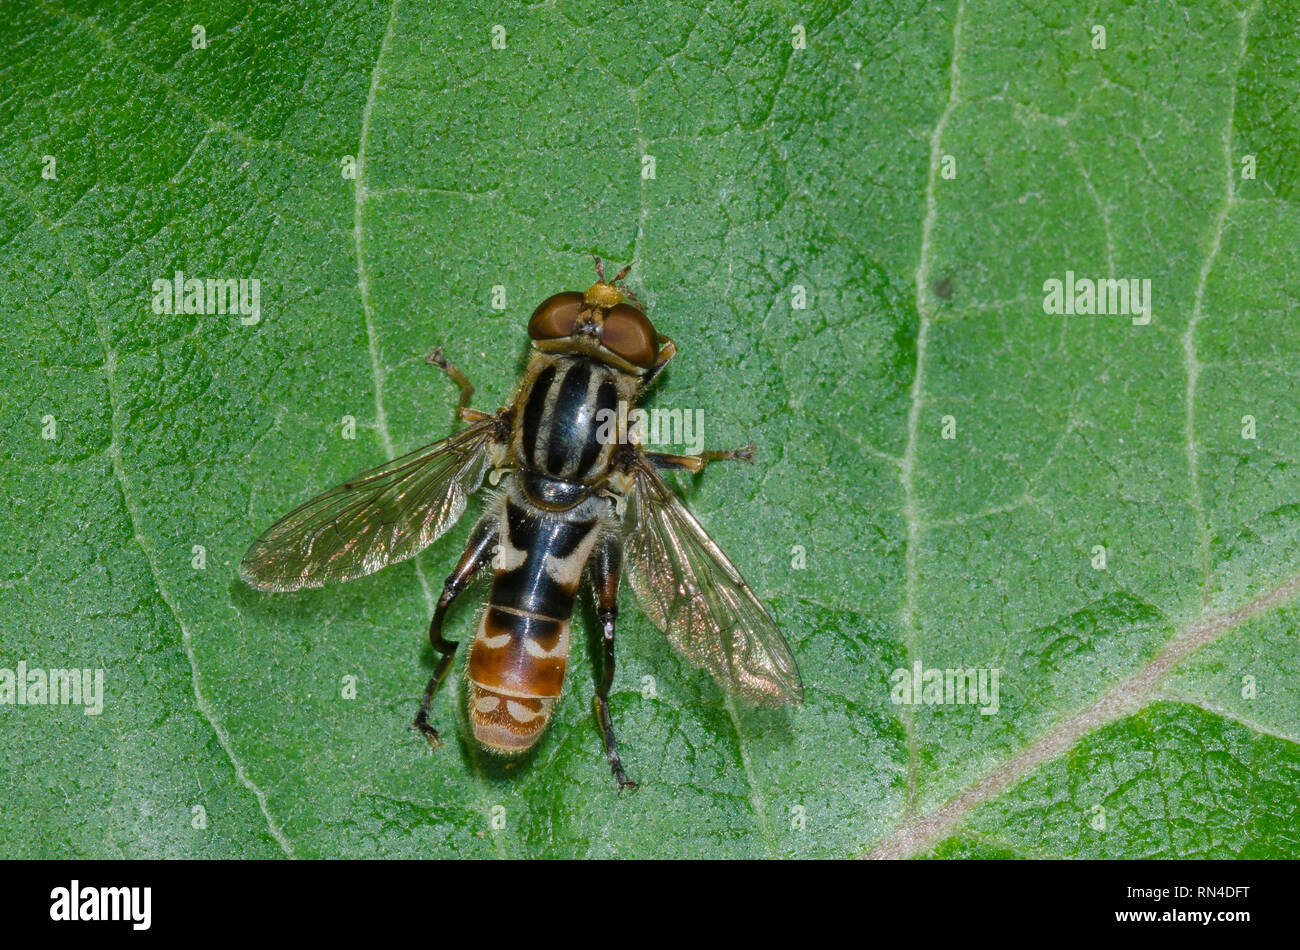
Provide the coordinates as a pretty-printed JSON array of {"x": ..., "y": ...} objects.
[
  {"x": 372, "y": 336},
  {"x": 1128, "y": 697},
  {"x": 911, "y": 515},
  {"x": 109, "y": 369}
]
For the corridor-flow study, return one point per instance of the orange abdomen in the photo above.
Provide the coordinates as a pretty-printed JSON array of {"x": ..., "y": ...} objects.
[
  {"x": 516, "y": 673},
  {"x": 521, "y": 647}
]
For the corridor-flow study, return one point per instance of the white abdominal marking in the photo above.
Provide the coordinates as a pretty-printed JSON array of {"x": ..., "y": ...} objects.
[
  {"x": 521, "y": 713},
  {"x": 568, "y": 570}
]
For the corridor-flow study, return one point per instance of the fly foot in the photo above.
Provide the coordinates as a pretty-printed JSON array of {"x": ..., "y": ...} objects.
[{"x": 431, "y": 734}]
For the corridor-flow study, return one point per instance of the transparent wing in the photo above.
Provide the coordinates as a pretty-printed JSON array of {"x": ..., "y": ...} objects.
[
  {"x": 695, "y": 595},
  {"x": 380, "y": 517}
]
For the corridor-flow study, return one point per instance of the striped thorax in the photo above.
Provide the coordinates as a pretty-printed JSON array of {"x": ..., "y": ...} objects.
[{"x": 562, "y": 443}]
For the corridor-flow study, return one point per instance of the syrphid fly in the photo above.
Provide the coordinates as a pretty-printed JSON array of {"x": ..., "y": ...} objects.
[{"x": 569, "y": 500}]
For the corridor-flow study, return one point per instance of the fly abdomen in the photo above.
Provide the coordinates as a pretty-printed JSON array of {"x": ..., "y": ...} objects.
[
  {"x": 516, "y": 671},
  {"x": 521, "y": 649}
]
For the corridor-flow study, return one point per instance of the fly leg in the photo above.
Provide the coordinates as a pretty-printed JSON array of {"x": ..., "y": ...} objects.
[
  {"x": 482, "y": 546},
  {"x": 436, "y": 358},
  {"x": 696, "y": 463},
  {"x": 606, "y": 562}
]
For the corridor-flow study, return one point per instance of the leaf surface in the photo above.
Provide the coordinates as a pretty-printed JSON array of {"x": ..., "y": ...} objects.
[{"x": 1157, "y": 689}]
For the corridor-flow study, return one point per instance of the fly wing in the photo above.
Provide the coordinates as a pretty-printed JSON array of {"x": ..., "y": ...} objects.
[
  {"x": 695, "y": 595},
  {"x": 380, "y": 517}
]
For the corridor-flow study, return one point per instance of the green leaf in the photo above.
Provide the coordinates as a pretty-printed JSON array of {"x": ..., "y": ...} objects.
[{"x": 1146, "y": 708}]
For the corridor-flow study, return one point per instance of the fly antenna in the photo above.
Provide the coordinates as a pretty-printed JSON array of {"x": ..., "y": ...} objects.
[
  {"x": 621, "y": 274},
  {"x": 600, "y": 268}
]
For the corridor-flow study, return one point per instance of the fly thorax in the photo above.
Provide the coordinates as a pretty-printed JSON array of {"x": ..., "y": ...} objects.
[{"x": 567, "y": 412}]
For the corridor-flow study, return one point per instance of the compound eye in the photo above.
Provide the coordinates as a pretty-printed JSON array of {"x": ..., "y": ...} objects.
[
  {"x": 628, "y": 332},
  {"x": 556, "y": 316}
]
